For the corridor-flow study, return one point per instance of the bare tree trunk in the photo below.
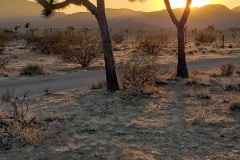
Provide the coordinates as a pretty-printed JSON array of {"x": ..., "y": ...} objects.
[
  {"x": 111, "y": 76},
  {"x": 182, "y": 70}
]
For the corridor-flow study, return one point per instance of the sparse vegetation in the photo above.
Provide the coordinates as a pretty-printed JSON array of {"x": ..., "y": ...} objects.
[
  {"x": 152, "y": 44},
  {"x": 99, "y": 85},
  {"x": 227, "y": 69},
  {"x": 118, "y": 37},
  {"x": 19, "y": 124},
  {"x": 205, "y": 37},
  {"x": 4, "y": 38},
  {"x": 138, "y": 72},
  {"x": 4, "y": 62},
  {"x": 32, "y": 70}
]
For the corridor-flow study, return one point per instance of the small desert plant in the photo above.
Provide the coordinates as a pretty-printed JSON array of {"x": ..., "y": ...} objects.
[
  {"x": 3, "y": 62},
  {"x": 19, "y": 124},
  {"x": 227, "y": 69},
  {"x": 152, "y": 44},
  {"x": 99, "y": 85},
  {"x": 138, "y": 72},
  {"x": 4, "y": 38},
  {"x": 205, "y": 37},
  {"x": 82, "y": 53},
  {"x": 118, "y": 37},
  {"x": 235, "y": 107},
  {"x": 32, "y": 70}
]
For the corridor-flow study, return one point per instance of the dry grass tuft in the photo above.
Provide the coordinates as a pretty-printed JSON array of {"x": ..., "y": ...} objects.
[
  {"x": 227, "y": 69},
  {"x": 138, "y": 72},
  {"x": 32, "y": 70}
]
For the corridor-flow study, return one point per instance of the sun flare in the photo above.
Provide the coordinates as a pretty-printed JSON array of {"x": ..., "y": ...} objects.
[{"x": 182, "y": 3}]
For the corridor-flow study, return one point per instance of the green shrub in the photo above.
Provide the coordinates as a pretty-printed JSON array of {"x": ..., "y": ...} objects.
[
  {"x": 137, "y": 72},
  {"x": 227, "y": 69},
  {"x": 32, "y": 70}
]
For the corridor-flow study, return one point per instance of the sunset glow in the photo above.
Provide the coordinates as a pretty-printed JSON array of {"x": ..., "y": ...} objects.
[
  {"x": 182, "y": 3},
  {"x": 152, "y": 5}
]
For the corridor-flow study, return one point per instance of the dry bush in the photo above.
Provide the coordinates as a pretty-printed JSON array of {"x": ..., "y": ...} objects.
[
  {"x": 46, "y": 42},
  {"x": 4, "y": 38},
  {"x": 4, "y": 62},
  {"x": 118, "y": 37},
  {"x": 80, "y": 49},
  {"x": 32, "y": 70},
  {"x": 137, "y": 72},
  {"x": 83, "y": 53},
  {"x": 19, "y": 123},
  {"x": 151, "y": 44},
  {"x": 99, "y": 85},
  {"x": 235, "y": 107},
  {"x": 205, "y": 37},
  {"x": 227, "y": 69}
]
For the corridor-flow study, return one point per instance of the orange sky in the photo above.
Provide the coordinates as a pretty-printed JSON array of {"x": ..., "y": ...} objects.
[{"x": 154, "y": 5}]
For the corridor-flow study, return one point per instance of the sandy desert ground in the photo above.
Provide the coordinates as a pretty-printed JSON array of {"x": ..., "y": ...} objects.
[{"x": 196, "y": 118}]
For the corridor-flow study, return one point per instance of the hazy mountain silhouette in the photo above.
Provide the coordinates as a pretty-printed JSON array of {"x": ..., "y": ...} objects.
[
  {"x": 236, "y": 9},
  {"x": 24, "y": 11}
]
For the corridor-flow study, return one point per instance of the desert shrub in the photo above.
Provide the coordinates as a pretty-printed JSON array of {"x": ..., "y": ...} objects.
[
  {"x": 46, "y": 42},
  {"x": 152, "y": 43},
  {"x": 118, "y": 37},
  {"x": 235, "y": 107},
  {"x": 18, "y": 123},
  {"x": 3, "y": 62},
  {"x": 137, "y": 72},
  {"x": 83, "y": 53},
  {"x": 227, "y": 69},
  {"x": 205, "y": 37},
  {"x": 4, "y": 38},
  {"x": 80, "y": 49},
  {"x": 32, "y": 70},
  {"x": 99, "y": 85}
]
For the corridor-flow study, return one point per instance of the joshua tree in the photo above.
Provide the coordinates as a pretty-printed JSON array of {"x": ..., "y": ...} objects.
[
  {"x": 182, "y": 70},
  {"x": 211, "y": 29},
  {"x": 16, "y": 28},
  {"x": 98, "y": 11},
  {"x": 27, "y": 25}
]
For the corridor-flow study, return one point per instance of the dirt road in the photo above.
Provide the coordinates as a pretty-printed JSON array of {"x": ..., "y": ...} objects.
[{"x": 83, "y": 79}]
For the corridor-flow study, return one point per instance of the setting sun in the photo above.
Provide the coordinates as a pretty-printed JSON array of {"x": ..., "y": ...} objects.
[{"x": 182, "y": 3}]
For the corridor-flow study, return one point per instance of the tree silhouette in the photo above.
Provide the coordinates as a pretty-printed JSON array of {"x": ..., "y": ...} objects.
[
  {"x": 27, "y": 25},
  {"x": 98, "y": 11},
  {"x": 182, "y": 70},
  {"x": 211, "y": 29}
]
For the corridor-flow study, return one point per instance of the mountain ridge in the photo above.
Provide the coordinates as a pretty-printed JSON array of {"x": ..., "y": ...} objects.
[{"x": 117, "y": 18}]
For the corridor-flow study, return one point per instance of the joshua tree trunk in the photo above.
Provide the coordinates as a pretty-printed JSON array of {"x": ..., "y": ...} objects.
[
  {"x": 182, "y": 70},
  {"x": 99, "y": 12},
  {"x": 111, "y": 76}
]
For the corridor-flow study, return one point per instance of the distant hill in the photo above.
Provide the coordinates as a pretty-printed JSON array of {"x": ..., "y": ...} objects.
[
  {"x": 236, "y": 9},
  {"x": 24, "y": 11}
]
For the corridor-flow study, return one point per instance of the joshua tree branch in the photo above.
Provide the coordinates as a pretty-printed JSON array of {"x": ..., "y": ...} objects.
[
  {"x": 49, "y": 5},
  {"x": 186, "y": 13},
  {"x": 170, "y": 11}
]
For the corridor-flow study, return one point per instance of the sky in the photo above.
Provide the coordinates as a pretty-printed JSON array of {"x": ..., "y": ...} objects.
[{"x": 155, "y": 5}]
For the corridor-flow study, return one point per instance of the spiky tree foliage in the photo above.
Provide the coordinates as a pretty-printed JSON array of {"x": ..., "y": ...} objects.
[{"x": 98, "y": 10}]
